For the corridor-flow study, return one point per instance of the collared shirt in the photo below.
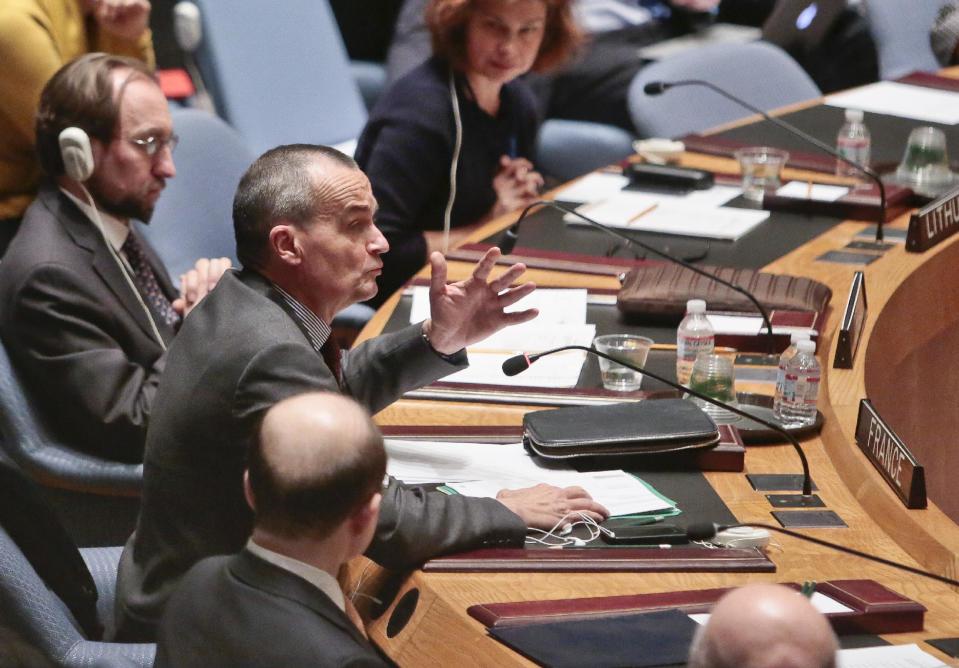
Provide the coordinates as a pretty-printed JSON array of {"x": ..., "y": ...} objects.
[
  {"x": 316, "y": 330},
  {"x": 317, "y": 577}
]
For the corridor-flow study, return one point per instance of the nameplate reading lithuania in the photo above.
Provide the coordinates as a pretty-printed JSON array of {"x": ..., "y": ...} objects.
[
  {"x": 890, "y": 455},
  {"x": 935, "y": 222}
]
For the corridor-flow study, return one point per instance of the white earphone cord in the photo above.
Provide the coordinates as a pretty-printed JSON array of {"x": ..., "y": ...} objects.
[{"x": 457, "y": 146}]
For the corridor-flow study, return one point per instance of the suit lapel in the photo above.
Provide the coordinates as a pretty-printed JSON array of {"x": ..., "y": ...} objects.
[
  {"x": 88, "y": 237},
  {"x": 272, "y": 579}
]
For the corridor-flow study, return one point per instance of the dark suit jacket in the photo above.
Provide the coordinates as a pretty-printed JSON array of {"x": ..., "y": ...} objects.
[
  {"x": 76, "y": 333},
  {"x": 241, "y": 611},
  {"x": 239, "y": 353}
]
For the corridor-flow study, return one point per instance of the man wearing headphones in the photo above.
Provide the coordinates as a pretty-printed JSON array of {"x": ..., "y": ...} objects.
[
  {"x": 86, "y": 307},
  {"x": 37, "y": 37}
]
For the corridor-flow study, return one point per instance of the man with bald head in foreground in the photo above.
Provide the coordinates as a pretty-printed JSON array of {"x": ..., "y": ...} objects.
[
  {"x": 313, "y": 481},
  {"x": 303, "y": 218},
  {"x": 764, "y": 626}
]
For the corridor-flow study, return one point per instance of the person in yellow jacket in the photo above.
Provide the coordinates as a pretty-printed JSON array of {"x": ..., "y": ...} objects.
[{"x": 37, "y": 37}]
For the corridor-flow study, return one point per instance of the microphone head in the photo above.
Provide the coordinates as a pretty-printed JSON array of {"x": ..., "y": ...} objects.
[
  {"x": 516, "y": 364},
  {"x": 702, "y": 530},
  {"x": 507, "y": 242},
  {"x": 655, "y": 87}
]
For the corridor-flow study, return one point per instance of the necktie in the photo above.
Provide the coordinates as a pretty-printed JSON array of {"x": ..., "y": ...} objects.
[
  {"x": 146, "y": 281},
  {"x": 331, "y": 355}
]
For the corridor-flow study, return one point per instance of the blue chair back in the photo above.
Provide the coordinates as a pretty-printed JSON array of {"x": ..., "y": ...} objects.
[
  {"x": 762, "y": 74},
  {"x": 279, "y": 72},
  {"x": 194, "y": 215},
  {"x": 28, "y": 607},
  {"x": 900, "y": 29},
  {"x": 50, "y": 462}
]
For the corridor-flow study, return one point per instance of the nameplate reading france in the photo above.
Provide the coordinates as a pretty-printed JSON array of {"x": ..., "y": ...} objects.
[
  {"x": 935, "y": 222},
  {"x": 890, "y": 455}
]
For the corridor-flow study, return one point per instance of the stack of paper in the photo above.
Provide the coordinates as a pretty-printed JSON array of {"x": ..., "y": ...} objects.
[
  {"x": 561, "y": 322},
  {"x": 475, "y": 469},
  {"x": 671, "y": 215}
]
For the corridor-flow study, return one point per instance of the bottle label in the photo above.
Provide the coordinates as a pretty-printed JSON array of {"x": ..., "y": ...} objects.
[
  {"x": 688, "y": 347},
  {"x": 807, "y": 391}
]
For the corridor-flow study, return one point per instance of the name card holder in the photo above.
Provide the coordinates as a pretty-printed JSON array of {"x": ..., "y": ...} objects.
[
  {"x": 853, "y": 320},
  {"x": 890, "y": 456},
  {"x": 933, "y": 223}
]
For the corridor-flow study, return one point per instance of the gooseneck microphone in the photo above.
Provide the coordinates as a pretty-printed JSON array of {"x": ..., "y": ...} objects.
[
  {"x": 707, "y": 530},
  {"x": 519, "y": 363},
  {"x": 508, "y": 241},
  {"x": 660, "y": 87}
]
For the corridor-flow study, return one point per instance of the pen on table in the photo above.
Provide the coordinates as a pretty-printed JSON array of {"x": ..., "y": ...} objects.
[{"x": 641, "y": 214}]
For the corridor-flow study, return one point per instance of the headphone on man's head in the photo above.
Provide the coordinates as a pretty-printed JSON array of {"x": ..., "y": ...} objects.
[{"x": 77, "y": 154}]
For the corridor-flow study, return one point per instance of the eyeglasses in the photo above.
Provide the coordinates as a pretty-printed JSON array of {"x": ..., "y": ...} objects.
[{"x": 152, "y": 145}]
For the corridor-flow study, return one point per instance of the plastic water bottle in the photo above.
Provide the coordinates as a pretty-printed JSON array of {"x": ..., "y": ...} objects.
[
  {"x": 801, "y": 386},
  {"x": 695, "y": 335},
  {"x": 787, "y": 355},
  {"x": 854, "y": 143}
]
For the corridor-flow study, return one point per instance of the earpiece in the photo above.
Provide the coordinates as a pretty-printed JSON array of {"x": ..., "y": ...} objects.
[{"x": 76, "y": 153}]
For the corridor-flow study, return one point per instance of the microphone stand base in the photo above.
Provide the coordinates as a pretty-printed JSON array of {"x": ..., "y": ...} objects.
[
  {"x": 761, "y": 406},
  {"x": 795, "y": 501}
]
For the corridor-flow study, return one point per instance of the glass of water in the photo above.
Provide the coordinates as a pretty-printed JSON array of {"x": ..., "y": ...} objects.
[
  {"x": 714, "y": 375},
  {"x": 761, "y": 167},
  {"x": 631, "y": 348}
]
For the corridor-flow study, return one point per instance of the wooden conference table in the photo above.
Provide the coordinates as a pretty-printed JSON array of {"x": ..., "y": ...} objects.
[{"x": 906, "y": 365}]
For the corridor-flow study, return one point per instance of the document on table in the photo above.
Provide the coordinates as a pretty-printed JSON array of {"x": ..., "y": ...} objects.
[
  {"x": 558, "y": 305},
  {"x": 897, "y": 99},
  {"x": 887, "y": 656},
  {"x": 561, "y": 322},
  {"x": 476, "y": 469},
  {"x": 666, "y": 214},
  {"x": 818, "y": 192},
  {"x": 822, "y": 603},
  {"x": 592, "y": 188},
  {"x": 561, "y": 370}
]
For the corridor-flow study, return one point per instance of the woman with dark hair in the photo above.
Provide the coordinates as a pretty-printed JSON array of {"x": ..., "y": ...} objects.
[{"x": 449, "y": 145}]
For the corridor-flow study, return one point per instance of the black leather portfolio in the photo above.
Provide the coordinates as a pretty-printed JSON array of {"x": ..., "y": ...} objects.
[{"x": 631, "y": 428}]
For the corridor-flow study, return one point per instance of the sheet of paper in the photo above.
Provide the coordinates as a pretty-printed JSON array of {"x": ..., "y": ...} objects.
[
  {"x": 821, "y": 602},
  {"x": 478, "y": 469},
  {"x": 897, "y": 99},
  {"x": 417, "y": 462},
  {"x": 592, "y": 188},
  {"x": 560, "y": 370},
  {"x": 889, "y": 656},
  {"x": 619, "y": 492},
  {"x": 532, "y": 337},
  {"x": 826, "y": 604},
  {"x": 555, "y": 305},
  {"x": 715, "y": 196},
  {"x": 818, "y": 192},
  {"x": 653, "y": 213}
]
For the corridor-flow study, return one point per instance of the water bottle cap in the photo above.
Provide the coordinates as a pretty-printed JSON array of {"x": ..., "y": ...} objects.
[
  {"x": 796, "y": 337},
  {"x": 806, "y": 346},
  {"x": 854, "y": 115},
  {"x": 696, "y": 306}
]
